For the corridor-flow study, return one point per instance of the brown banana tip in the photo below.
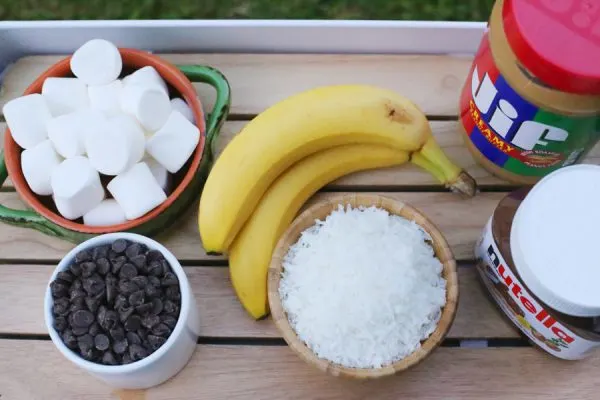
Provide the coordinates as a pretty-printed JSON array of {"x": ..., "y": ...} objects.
[{"x": 464, "y": 185}]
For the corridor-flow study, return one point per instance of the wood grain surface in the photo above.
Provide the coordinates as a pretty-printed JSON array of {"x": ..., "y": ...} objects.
[
  {"x": 260, "y": 80},
  {"x": 460, "y": 220},
  {"x": 220, "y": 311},
  {"x": 36, "y": 370}
]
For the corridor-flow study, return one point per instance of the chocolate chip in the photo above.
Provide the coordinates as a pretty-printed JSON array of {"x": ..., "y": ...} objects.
[
  {"x": 93, "y": 302},
  {"x": 79, "y": 331},
  {"x": 170, "y": 307},
  {"x": 89, "y": 354},
  {"x": 157, "y": 306},
  {"x": 60, "y": 306},
  {"x": 152, "y": 291},
  {"x": 133, "y": 338},
  {"x": 82, "y": 319},
  {"x": 111, "y": 285},
  {"x": 161, "y": 330},
  {"x": 58, "y": 289},
  {"x": 596, "y": 324},
  {"x": 125, "y": 312},
  {"x": 144, "y": 309},
  {"x": 94, "y": 285},
  {"x": 75, "y": 293},
  {"x": 142, "y": 333},
  {"x": 94, "y": 329},
  {"x": 60, "y": 324},
  {"x": 100, "y": 252},
  {"x": 155, "y": 341},
  {"x": 154, "y": 255},
  {"x": 120, "y": 301},
  {"x": 169, "y": 321},
  {"x": 139, "y": 261},
  {"x": 141, "y": 281},
  {"x": 109, "y": 358},
  {"x": 137, "y": 298},
  {"x": 169, "y": 280},
  {"x": 69, "y": 339},
  {"x": 149, "y": 321},
  {"x": 126, "y": 359},
  {"x": 83, "y": 255},
  {"x": 87, "y": 269},
  {"x": 133, "y": 250},
  {"x": 155, "y": 269},
  {"x": 77, "y": 284},
  {"x": 128, "y": 271},
  {"x": 117, "y": 333},
  {"x": 126, "y": 287},
  {"x": 85, "y": 342},
  {"x": 133, "y": 323},
  {"x": 108, "y": 320},
  {"x": 119, "y": 245},
  {"x": 103, "y": 266},
  {"x": 173, "y": 293},
  {"x": 154, "y": 281},
  {"x": 75, "y": 269},
  {"x": 102, "y": 342},
  {"x": 120, "y": 346},
  {"x": 66, "y": 276},
  {"x": 137, "y": 352},
  {"x": 117, "y": 263}
]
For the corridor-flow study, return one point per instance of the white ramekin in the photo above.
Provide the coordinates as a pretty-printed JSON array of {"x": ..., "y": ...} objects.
[{"x": 165, "y": 362}]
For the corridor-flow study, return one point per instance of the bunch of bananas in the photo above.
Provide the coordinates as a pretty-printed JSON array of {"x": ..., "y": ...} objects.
[{"x": 291, "y": 150}]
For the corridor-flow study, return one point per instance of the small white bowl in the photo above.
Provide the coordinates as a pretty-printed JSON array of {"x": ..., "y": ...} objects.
[{"x": 159, "y": 366}]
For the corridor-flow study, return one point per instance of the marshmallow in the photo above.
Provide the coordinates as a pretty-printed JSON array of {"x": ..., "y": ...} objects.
[
  {"x": 65, "y": 95},
  {"x": 149, "y": 105},
  {"x": 180, "y": 105},
  {"x": 159, "y": 172},
  {"x": 107, "y": 213},
  {"x": 136, "y": 191},
  {"x": 174, "y": 143},
  {"x": 37, "y": 164},
  {"x": 147, "y": 76},
  {"x": 76, "y": 186},
  {"x": 26, "y": 117},
  {"x": 97, "y": 62},
  {"x": 106, "y": 98},
  {"x": 126, "y": 125},
  {"x": 67, "y": 132}
]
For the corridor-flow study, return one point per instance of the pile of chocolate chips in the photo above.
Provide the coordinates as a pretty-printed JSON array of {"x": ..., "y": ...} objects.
[{"x": 116, "y": 304}]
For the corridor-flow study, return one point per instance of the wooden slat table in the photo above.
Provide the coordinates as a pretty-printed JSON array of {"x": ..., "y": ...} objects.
[{"x": 238, "y": 358}]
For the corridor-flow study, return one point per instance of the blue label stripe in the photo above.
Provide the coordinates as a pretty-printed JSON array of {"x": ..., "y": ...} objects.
[
  {"x": 489, "y": 150},
  {"x": 526, "y": 110}
]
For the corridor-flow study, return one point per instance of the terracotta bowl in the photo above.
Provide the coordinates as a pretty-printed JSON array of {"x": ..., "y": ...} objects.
[
  {"x": 179, "y": 85},
  {"x": 320, "y": 211}
]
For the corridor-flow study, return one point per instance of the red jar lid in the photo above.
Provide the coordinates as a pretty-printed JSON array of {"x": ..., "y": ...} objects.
[{"x": 558, "y": 41}]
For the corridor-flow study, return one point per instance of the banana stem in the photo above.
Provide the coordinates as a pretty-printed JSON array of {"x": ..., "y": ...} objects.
[{"x": 420, "y": 160}]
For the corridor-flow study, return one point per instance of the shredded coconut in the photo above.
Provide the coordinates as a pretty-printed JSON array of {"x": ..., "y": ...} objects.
[{"x": 363, "y": 288}]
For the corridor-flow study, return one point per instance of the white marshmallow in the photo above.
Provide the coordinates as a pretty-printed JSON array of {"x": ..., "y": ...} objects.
[
  {"x": 106, "y": 98},
  {"x": 174, "y": 143},
  {"x": 65, "y": 95},
  {"x": 149, "y": 105},
  {"x": 180, "y": 105},
  {"x": 26, "y": 116},
  {"x": 147, "y": 76},
  {"x": 37, "y": 164},
  {"x": 77, "y": 187},
  {"x": 97, "y": 62},
  {"x": 107, "y": 213},
  {"x": 136, "y": 191},
  {"x": 159, "y": 172},
  {"x": 108, "y": 151},
  {"x": 67, "y": 132},
  {"x": 126, "y": 125}
]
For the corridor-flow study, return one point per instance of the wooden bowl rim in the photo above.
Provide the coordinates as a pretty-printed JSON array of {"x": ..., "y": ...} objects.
[
  {"x": 131, "y": 58},
  {"x": 325, "y": 207}
]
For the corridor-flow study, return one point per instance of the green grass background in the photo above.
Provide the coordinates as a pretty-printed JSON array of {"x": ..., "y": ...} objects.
[{"x": 449, "y": 10}]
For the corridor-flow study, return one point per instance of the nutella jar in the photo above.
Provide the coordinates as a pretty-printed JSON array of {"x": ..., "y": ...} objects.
[
  {"x": 537, "y": 259},
  {"x": 531, "y": 102}
]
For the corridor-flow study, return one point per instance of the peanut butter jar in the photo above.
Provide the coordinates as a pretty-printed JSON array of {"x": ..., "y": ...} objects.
[
  {"x": 536, "y": 257},
  {"x": 531, "y": 101}
]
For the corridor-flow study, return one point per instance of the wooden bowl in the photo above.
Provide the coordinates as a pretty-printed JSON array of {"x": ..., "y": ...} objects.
[
  {"x": 133, "y": 59},
  {"x": 320, "y": 211}
]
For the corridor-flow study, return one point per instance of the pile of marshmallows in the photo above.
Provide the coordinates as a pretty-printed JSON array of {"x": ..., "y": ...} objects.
[{"x": 95, "y": 123}]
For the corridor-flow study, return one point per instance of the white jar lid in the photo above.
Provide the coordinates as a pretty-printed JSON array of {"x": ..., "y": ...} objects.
[{"x": 555, "y": 238}]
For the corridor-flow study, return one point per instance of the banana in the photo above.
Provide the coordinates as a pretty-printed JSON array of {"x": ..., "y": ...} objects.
[
  {"x": 250, "y": 253},
  {"x": 299, "y": 126}
]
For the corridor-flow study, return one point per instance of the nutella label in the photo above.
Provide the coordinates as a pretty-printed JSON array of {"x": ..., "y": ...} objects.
[
  {"x": 522, "y": 308},
  {"x": 512, "y": 132}
]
